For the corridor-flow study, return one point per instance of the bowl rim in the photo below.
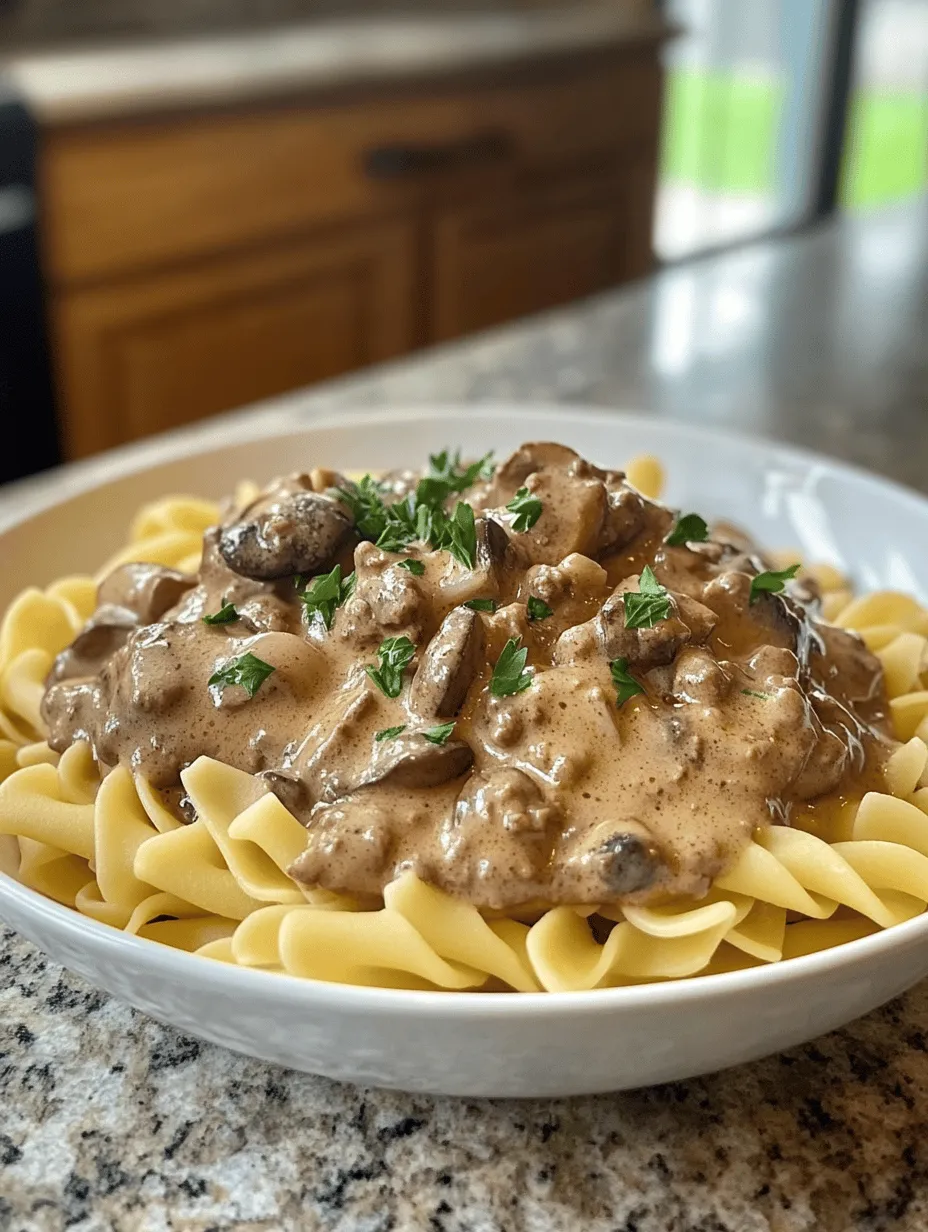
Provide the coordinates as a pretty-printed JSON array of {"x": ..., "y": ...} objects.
[{"x": 98, "y": 472}]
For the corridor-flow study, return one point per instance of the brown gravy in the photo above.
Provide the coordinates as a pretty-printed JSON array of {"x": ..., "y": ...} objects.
[{"x": 552, "y": 794}]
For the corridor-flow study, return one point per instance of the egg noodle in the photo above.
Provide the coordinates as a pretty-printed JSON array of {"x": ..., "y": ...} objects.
[{"x": 111, "y": 849}]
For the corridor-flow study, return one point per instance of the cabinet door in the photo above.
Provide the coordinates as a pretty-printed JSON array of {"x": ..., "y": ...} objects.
[
  {"x": 539, "y": 247},
  {"x": 140, "y": 356}
]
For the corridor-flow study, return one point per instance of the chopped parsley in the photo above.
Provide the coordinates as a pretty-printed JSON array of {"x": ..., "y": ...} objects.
[
  {"x": 538, "y": 609},
  {"x": 440, "y": 734},
  {"x": 771, "y": 581},
  {"x": 247, "y": 670},
  {"x": 415, "y": 567},
  {"x": 394, "y": 655},
  {"x": 647, "y": 606},
  {"x": 509, "y": 674},
  {"x": 447, "y": 468},
  {"x": 462, "y": 535},
  {"x": 327, "y": 592},
  {"x": 764, "y": 697},
  {"x": 527, "y": 509},
  {"x": 365, "y": 500},
  {"x": 690, "y": 528},
  {"x": 481, "y": 605},
  {"x": 226, "y": 615},
  {"x": 390, "y": 733},
  {"x": 626, "y": 685}
]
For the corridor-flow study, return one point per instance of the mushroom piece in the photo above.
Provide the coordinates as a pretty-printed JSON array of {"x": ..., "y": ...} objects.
[
  {"x": 689, "y": 622},
  {"x": 494, "y": 547},
  {"x": 289, "y": 789},
  {"x": 412, "y": 761},
  {"x": 449, "y": 665},
  {"x": 107, "y": 630},
  {"x": 147, "y": 590},
  {"x": 530, "y": 458},
  {"x": 629, "y": 863},
  {"x": 299, "y": 532}
]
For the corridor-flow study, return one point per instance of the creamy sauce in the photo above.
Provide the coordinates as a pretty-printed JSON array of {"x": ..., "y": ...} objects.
[{"x": 555, "y": 794}]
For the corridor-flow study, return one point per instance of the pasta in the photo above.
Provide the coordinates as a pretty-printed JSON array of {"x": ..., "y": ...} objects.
[{"x": 109, "y": 845}]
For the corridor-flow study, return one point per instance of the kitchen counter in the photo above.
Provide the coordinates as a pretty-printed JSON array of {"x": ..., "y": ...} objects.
[
  {"x": 68, "y": 86},
  {"x": 110, "y": 1121}
]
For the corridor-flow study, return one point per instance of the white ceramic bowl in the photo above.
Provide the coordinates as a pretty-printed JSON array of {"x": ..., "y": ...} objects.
[{"x": 468, "y": 1043}]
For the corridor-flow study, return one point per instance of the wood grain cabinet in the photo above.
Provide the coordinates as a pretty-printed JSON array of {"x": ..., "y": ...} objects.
[{"x": 199, "y": 262}]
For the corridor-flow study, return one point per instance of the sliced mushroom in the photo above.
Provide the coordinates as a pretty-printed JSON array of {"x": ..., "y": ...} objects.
[
  {"x": 629, "y": 863},
  {"x": 532, "y": 457},
  {"x": 689, "y": 623},
  {"x": 298, "y": 533},
  {"x": 493, "y": 544},
  {"x": 412, "y": 761},
  {"x": 147, "y": 590},
  {"x": 449, "y": 665},
  {"x": 289, "y": 789},
  {"x": 106, "y": 631}
]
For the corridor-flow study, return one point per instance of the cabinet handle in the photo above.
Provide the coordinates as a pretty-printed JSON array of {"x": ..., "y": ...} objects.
[{"x": 402, "y": 161}]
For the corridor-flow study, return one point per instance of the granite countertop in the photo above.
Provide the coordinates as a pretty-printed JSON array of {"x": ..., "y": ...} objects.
[
  {"x": 111, "y": 1121},
  {"x": 67, "y": 86}
]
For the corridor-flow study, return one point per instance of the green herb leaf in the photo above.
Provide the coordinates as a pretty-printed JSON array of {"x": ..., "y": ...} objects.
[
  {"x": 647, "y": 606},
  {"x": 226, "y": 615},
  {"x": 326, "y": 593},
  {"x": 389, "y": 733},
  {"x": 247, "y": 670},
  {"x": 400, "y": 528},
  {"x": 394, "y": 655},
  {"x": 538, "y": 609},
  {"x": 449, "y": 470},
  {"x": 415, "y": 567},
  {"x": 690, "y": 528},
  {"x": 462, "y": 535},
  {"x": 527, "y": 509},
  {"x": 367, "y": 506},
  {"x": 481, "y": 605},
  {"x": 764, "y": 697},
  {"x": 440, "y": 734},
  {"x": 509, "y": 674},
  {"x": 771, "y": 581},
  {"x": 626, "y": 685}
]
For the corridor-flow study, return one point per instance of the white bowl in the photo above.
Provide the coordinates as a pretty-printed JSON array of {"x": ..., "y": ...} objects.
[{"x": 468, "y": 1043}]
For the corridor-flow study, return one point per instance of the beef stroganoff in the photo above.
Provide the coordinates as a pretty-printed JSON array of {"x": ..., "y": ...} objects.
[{"x": 511, "y": 727}]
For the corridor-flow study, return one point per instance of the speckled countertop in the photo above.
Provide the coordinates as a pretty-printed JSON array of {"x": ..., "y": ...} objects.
[
  {"x": 111, "y": 1121},
  {"x": 63, "y": 85}
]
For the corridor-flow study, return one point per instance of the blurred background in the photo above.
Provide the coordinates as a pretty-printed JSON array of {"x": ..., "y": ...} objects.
[{"x": 208, "y": 202}]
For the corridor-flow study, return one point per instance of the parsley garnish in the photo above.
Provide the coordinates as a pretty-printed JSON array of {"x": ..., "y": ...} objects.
[
  {"x": 367, "y": 506},
  {"x": 509, "y": 675},
  {"x": 448, "y": 469},
  {"x": 462, "y": 535},
  {"x": 626, "y": 686},
  {"x": 481, "y": 605},
  {"x": 440, "y": 734},
  {"x": 226, "y": 615},
  {"x": 394, "y": 654},
  {"x": 415, "y": 567},
  {"x": 647, "y": 606},
  {"x": 538, "y": 609},
  {"x": 326, "y": 593},
  {"x": 690, "y": 528},
  {"x": 771, "y": 581},
  {"x": 247, "y": 670},
  {"x": 389, "y": 733},
  {"x": 764, "y": 697},
  {"x": 527, "y": 509}
]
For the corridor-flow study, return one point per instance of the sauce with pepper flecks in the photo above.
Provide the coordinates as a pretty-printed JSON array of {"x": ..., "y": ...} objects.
[{"x": 551, "y": 794}]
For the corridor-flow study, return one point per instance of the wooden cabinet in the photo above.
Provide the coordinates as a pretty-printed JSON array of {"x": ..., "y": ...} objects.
[
  {"x": 531, "y": 251},
  {"x": 146, "y": 355},
  {"x": 199, "y": 262}
]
